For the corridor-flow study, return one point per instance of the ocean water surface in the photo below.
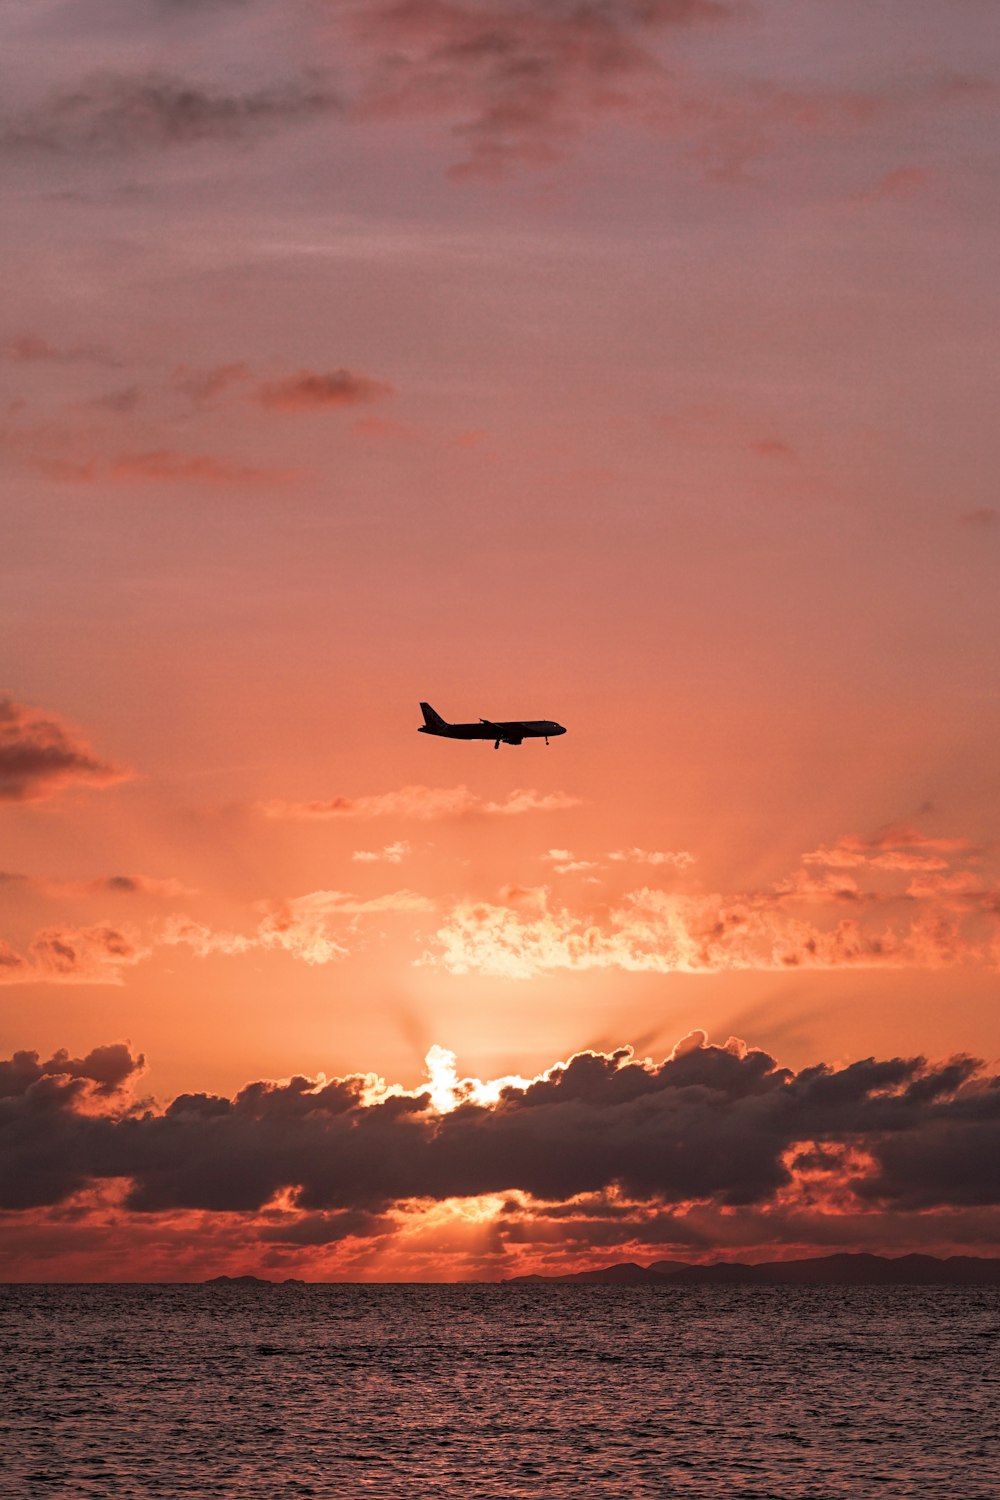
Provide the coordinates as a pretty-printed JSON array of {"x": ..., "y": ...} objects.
[{"x": 499, "y": 1391}]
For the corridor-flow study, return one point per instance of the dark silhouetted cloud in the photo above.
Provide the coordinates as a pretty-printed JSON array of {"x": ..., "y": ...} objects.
[
  {"x": 106, "y": 1068},
  {"x": 723, "y": 1126},
  {"x": 39, "y": 756}
]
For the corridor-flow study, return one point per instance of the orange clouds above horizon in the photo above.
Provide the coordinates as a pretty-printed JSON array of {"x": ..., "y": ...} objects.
[{"x": 900, "y": 899}]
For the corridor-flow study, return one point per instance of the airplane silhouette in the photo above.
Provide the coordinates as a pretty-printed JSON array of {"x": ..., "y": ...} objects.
[{"x": 503, "y": 732}]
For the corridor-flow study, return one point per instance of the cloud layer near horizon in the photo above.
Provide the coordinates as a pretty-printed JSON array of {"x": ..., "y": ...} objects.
[{"x": 603, "y": 1137}]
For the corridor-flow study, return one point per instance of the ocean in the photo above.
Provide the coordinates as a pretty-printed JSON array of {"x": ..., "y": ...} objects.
[{"x": 461, "y": 1392}]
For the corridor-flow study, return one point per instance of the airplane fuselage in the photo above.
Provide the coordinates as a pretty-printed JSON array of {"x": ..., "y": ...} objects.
[{"x": 500, "y": 731}]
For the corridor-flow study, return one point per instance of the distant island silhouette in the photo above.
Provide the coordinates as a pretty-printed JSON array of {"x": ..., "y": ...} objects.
[
  {"x": 825, "y": 1270},
  {"x": 841, "y": 1269}
]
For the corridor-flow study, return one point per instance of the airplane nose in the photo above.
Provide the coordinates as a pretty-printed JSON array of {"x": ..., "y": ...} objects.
[{"x": 560, "y": 729}]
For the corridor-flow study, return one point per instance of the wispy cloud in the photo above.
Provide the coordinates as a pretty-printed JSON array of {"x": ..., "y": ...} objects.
[
  {"x": 423, "y": 804},
  {"x": 894, "y": 847},
  {"x": 389, "y": 854},
  {"x": 564, "y": 862},
  {"x": 518, "y": 83},
  {"x": 680, "y": 859},
  {"x": 320, "y": 927},
  {"x": 312, "y": 927},
  {"x": 117, "y": 113},
  {"x": 315, "y": 390},
  {"x": 29, "y": 348},
  {"x": 202, "y": 386}
]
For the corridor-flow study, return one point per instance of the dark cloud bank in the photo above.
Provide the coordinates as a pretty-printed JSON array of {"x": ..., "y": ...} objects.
[{"x": 719, "y": 1125}]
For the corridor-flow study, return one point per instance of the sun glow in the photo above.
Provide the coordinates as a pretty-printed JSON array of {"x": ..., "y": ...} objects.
[{"x": 448, "y": 1091}]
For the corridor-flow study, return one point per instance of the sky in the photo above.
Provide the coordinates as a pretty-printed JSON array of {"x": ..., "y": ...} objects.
[{"x": 629, "y": 363}]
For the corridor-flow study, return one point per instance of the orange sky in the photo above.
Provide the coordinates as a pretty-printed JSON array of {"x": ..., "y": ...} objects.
[{"x": 630, "y": 365}]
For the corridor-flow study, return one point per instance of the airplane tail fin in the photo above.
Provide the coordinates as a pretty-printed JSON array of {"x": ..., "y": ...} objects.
[{"x": 432, "y": 720}]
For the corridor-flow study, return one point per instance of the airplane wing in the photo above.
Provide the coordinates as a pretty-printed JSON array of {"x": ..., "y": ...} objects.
[{"x": 509, "y": 726}]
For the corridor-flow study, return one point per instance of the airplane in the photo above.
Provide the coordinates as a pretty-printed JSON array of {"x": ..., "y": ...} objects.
[{"x": 503, "y": 732}]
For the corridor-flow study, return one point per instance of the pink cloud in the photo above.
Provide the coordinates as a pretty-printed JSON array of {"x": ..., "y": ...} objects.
[
  {"x": 74, "y": 955},
  {"x": 203, "y": 386},
  {"x": 29, "y": 348},
  {"x": 897, "y": 846},
  {"x": 518, "y": 82},
  {"x": 311, "y": 390},
  {"x": 41, "y": 756},
  {"x": 423, "y": 804}
]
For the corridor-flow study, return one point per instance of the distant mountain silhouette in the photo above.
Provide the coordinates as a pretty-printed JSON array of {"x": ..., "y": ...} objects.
[
  {"x": 823, "y": 1270},
  {"x": 626, "y": 1273}
]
